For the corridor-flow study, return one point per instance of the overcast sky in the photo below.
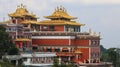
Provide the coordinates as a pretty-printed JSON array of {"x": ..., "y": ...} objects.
[{"x": 99, "y": 15}]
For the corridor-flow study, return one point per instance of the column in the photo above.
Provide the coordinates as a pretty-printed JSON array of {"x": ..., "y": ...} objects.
[
  {"x": 61, "y": 49},
  {"x": 44, "y": 49},
  {"x": 59, "y": 60},
  {"x": 69, "y": 58},
  {"x": 69, "y": 49},
  {"x": 53, "y": 49},
  {"x": 76, "y": 58},
  {"x": 21, "y": 44},
  {"x": 16, "y": 62},
  {"x": 26, "y": 43}
]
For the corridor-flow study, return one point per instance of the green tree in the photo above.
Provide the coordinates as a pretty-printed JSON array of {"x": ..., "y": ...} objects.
[
  {"x": 5, "y": 63},
  {"x": 6, "y": 43},
  {"x": 56, "y": 63},
  {"x": 13, "y": 51},
  {"x": 110, "y": 55}
]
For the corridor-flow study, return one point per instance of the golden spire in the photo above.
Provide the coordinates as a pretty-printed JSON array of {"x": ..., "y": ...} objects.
[
  {"x": 21, "y": 5},
  {"x": 94, "y": 33},
  {"x": 90, "y": 31},
  {"x": 60, "y": 12},
  {"x": 61, "y": 7},
  {"x": 18, "y": 6},
  {"x": 99, "y": 34},
  {"x": 57, "y": 8}
]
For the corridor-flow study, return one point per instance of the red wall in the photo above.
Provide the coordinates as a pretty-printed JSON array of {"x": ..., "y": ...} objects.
[
  {"x": 85, "y": 54},
  {"x": 80, "y": 42},
  {"x": 59, "y": 28},
  {"x": 50, "y": 41}
]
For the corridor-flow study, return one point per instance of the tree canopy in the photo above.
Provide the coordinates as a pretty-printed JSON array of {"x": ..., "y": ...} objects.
[
  {"x": 111, "y": 55},
  {"x": 6, "y": 44}
]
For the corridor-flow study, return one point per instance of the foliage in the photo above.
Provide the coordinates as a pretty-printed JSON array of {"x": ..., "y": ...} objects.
[
  {"x": 69, "y": 64},
  {"x": 13, "y": 51},
  {"x": 5, "y": 63},
  {"x": 110, "y": 55},
  {"x": 56, "y": 63},
  {"x": 6, "y": 43}
]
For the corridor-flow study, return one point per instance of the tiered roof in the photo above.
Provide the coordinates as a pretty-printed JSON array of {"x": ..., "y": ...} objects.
[
  {"x": 60, "y": 17},
  {"x": 60, "y": 13},
  {"x": 21, "y": 11},
  {"x": 60, "y": 22}
]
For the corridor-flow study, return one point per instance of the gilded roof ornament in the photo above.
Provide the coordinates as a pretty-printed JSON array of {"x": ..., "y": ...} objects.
[
  {"x": 94, "y": 33},
  {"x": 18, "y": 6},
  {"x": 99, "y": 34},
  {"x": 21, "y": 11},
  {"x": 60, "y": 7},
  {"x": 60, "y": 12},
  {"x": 90, "y": 31},
  {"x": 57, "y": 8},
  {"x": 21, "y": 5}
]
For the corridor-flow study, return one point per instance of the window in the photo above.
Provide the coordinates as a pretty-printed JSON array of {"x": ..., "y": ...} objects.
[
  {"x": 52, "y": 28},
  {"x": 49, "y": 50},
  {"x": 45, "y": 28},
  {"x": 57, "y": 50}
]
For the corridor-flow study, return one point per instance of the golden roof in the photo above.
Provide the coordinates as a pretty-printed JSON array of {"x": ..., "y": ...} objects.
[
  {"x": 29, "y": 22},
  {"x": 60, "y": 13},
  {"x": 21, "y": 11},
  {"x": 60, "y": 22},
  {"x": 7, "y": 22},
  {"x": 22, "y": 39}
]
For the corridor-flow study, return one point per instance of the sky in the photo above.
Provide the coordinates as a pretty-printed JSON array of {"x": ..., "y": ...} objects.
[{"x": 99, "y": 15}]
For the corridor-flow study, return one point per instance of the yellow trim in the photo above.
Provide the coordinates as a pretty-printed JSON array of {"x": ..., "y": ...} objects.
[
  {"x": 22, "y": 39},
  {"x": 29, "y": 22},
  {"x": 60, "y": 22}
]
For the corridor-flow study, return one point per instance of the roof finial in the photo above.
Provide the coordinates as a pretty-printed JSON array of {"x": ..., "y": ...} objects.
[
  {"x": 21, "y": 5},
  {"x": 90, "y": 31},
  {"x": 24, "y": 6},
  {"x": 61, "y": 7},
  {"x": 18, "y": 6},
  {"x": 94, "y": 33},
  {"x": 57, "y": 8},
  {"x": 99, "y": 34}
]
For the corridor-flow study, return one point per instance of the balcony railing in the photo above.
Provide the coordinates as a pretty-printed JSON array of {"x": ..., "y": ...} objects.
[
  {"x": 49, "y": 33},
  {"x": 65, "y": 53}
]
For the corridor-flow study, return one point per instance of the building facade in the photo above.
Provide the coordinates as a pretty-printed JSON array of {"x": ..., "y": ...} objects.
[{"x": 60, "y": 34}]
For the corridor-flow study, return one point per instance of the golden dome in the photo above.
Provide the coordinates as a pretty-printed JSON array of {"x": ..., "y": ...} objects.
[
  {"x": 60, "y": 12},
  {"x": 21, "y": 11}
]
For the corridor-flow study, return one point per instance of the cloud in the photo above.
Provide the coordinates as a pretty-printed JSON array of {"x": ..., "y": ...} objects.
[
  {"x": 102, "y": 17},
  {"x": 90, "y": 2}
]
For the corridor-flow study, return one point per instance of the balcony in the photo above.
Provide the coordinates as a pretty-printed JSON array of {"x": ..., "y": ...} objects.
[
  {"x": 65, "y": 53},
  {"x": 59, "y": 33}
]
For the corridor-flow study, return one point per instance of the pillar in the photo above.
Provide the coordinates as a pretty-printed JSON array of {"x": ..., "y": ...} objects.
[
  {"x": 69, "y": 49},
  {"x": 21, "y": 45},
  {"x": 76, "y": 58},
  {"x": 26, "y": 43},
  {"x": 69, "y": 58},
  {"x": 16, "y": 62},
  {"x": 44, "y": 49},
  {"x": 61, "y": 49},
  {"x": 59, "y": 60},
  {"x": 53, "y": 49}
]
